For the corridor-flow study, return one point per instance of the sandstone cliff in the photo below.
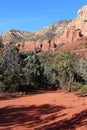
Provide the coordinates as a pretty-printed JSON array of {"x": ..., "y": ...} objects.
[
  {"x": 77, "y": 28},
  {"x": 81, "y": 21},
  {"x": 41, "y": 45},
  {"x": 70, "y": 35}
]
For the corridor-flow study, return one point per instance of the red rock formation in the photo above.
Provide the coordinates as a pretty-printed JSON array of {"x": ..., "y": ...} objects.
[
  {"x": 45, "y": 45},
  {"x": 70, "y": 35},
  {"x": 77, "y": 28},
  {"x": 26, "y": 46},
  {"x": 52, "y": 45},
  {"x": 81, "y": 21}
]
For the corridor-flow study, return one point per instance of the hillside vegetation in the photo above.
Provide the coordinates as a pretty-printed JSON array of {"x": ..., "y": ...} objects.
[
  {"x": 27, "y": 71},
  {"x": 49, "y": 32}
]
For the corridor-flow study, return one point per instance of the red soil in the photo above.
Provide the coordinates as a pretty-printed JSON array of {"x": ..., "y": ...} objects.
[{"x": 44, "y": 111}]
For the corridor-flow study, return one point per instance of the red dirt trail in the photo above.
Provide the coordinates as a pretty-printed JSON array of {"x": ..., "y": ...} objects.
[{"x": 44, "y": 111}]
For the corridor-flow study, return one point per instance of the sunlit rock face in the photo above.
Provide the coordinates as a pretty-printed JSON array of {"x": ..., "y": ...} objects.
[
  {"x": 41, "y": 45},
  {"x": 77, "y": 28},
  {"x": 81, "y": 21},
  {"x": 70, "y": 35},
  {"x": 82, "y": 13}
]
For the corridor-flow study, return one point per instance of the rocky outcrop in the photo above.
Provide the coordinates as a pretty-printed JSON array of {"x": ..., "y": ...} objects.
[
  {"x": 81, "y": 21},
  {"x": 41, "y": 45},
  {"x": 26, "y": 46},
  {"x": 82, "y": 13},
  {"x": 14, "y": 36},
  {"x": 70, "y": 35},
  {"x": 77, "y": 28}
]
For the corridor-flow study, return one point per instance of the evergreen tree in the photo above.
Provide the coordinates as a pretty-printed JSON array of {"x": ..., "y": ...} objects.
[
  {"x": 32, "y": 69},
  {"x": 82, "y": 71},
  {"x": 10, "y": 68},
  {"x": 11, "y": 59},
  {"x": 66, "y": 64}
]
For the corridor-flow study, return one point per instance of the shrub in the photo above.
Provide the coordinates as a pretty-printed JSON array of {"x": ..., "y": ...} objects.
[
  {"x": 83, "y": 89},
  {"x": 65, "y": 87},
  {"x": 1, "y": 87},
  {"x": 76, "y": 86}
]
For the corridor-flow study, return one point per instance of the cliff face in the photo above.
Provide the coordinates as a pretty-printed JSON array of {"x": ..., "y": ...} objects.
[
  {"x": 70, "y": 35},
  {"x": 77, "y": 28},
  {"x": 81, "y": 21},
  {"x": 41, "y": 45}
]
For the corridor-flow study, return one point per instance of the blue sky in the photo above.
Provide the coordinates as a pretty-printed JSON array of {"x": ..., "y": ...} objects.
[{"x": 32, "y": 15}]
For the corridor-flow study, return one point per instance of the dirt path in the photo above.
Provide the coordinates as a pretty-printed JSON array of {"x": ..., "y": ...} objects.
[{"x": 47, "y": 111}]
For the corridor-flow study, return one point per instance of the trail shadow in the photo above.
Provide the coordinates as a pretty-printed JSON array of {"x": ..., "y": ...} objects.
[
  {"x": 34, "y": 116},
  {"x": 76, "y": 121},
  {"x": 30, "y": 115}
]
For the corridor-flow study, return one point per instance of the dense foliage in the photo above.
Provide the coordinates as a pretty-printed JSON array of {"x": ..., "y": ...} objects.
[
  {"x": 26, "y": 71},
  {"x": 66, "y": 65}
]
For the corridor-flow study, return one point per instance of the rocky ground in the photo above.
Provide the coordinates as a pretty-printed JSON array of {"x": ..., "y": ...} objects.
[{"x": 43, "y": 111}]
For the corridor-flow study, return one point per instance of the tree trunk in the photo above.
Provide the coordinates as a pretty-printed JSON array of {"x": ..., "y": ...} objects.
[{"x": 71, "y": 79}]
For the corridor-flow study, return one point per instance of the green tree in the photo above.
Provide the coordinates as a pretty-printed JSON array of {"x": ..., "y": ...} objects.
[
  {"x": 11, "y": 59},
  {"x": 1, "y": 59},
  {"x": 10, "y": 82},
  {"x": 82, "y": 71},
  {"x": 51, "y": 80},
  {"x": 10, "y": 68},
  {"x": 32, "y": 69},
  {"x": 50, "y": 75},
  {"x": 66, "y": 65}
]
